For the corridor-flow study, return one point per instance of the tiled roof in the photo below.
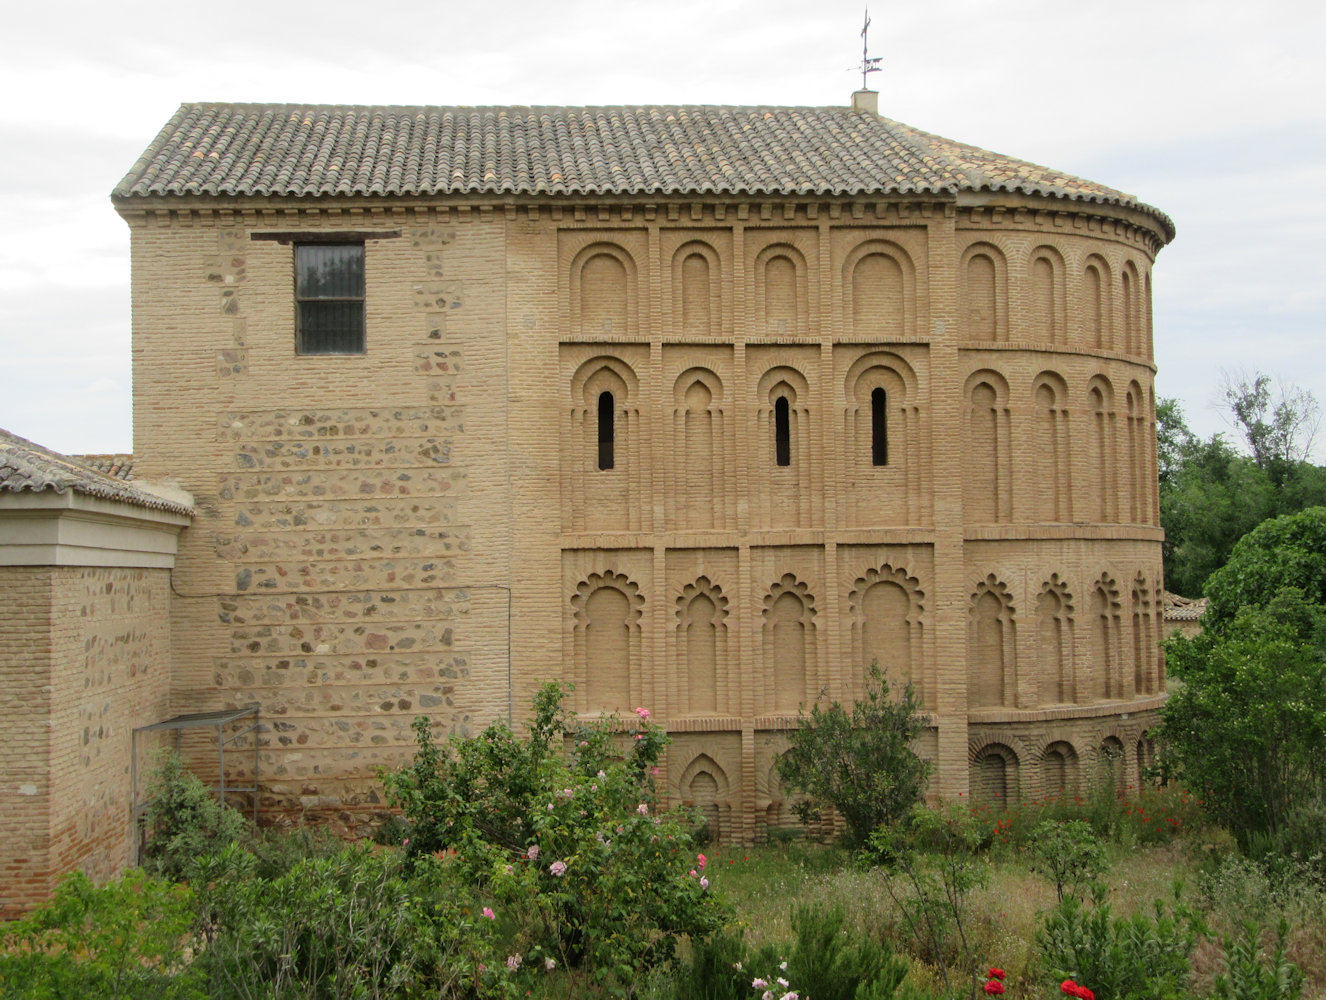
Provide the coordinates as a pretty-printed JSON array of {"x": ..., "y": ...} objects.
[
  {"x": 115, "y": 466},
  {"x": 1183, "y": 609},
  {"x": 318, "y": 150},
  {"x": 28, "y": 466}
]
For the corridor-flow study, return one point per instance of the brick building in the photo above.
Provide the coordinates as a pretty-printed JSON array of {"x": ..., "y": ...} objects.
[
  {"x": 85, "y": 564},
  {"x": 699, "y": 408}
]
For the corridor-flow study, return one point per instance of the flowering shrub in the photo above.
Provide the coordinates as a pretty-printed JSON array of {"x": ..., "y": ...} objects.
[{"x": 564, "y": 831}]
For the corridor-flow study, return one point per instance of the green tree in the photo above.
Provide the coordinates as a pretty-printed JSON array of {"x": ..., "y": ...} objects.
[
  {"x": 1288, "y": 551},
  {"x": 1210, "y": 496},
  {"x": 1278, "y": 423},
  {"x": 1247, "y": 729},
  {"x": 862, "y": 764}
]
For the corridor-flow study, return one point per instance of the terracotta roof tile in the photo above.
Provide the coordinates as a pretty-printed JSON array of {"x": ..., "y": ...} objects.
[
  {"x": 115, "y": 466},
  {"x": 233, "y": 150},
  {"x": 25, "y": 466},
  {"x": 1183, "y": 609}
]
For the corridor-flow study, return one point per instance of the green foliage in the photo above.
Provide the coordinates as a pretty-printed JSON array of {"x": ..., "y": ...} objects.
[
  {"x": 1277, "y": 426},
  {"x": 1246, "y": 730},
  {"x": 1210, "y": 496},
  {"x": 184, "y": 821},
  {"x": 1069, "y": 854},
  {"x": 829, "y": 963},
  {"x": 716, "y": 970},
  {"x": 480, "y": 790},
  {"x": 1249, "y": 975},
  {"x": 125, "y": 940},
  {"x": 571, "y": 846},
  {"x": 826, "y": 960},
  {"x": 1288, "y": 551},
  {"x": 862, "y": 764},
  {"x": 932, "y": 867},
  {"x": 358, "y": 925},
  {"x": 1142, "y": 957},
  {"x": 277, "y": 851}
]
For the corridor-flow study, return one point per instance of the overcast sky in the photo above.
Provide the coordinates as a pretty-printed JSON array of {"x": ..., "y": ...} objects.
[{"x": 1214, "y": 112}]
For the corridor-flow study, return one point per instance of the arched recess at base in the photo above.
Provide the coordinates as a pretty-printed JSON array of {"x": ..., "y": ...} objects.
[
  {"x": 1058, "y": 771},
  {"x": 992, "y": 776},
  {"x": 1111, "y": 764}
]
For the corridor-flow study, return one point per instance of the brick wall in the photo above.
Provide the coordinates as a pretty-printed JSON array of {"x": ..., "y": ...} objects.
[
  {"x": 424, "y": 527},
  {"x": 86, "y": 655}
]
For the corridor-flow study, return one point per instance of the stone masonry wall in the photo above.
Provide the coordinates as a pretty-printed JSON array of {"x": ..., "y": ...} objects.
[{"x": 347, "y": 567}]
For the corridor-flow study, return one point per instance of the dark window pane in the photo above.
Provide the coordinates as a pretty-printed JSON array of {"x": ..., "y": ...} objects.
[
  {"x": 879, "y": 428},
  {"x": 329, "y": 296},
  {"x": 782, "y": 432},
  {"x": 331, "y": 327},
  {"x": 329, "y": 272},
  {"x": 606, "y": 409}
]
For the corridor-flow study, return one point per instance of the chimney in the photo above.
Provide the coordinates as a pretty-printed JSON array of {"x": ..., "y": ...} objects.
[{"x": 866, "y": 102}]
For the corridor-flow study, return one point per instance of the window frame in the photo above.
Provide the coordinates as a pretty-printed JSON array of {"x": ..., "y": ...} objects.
[{"x": 324, "y": 241}]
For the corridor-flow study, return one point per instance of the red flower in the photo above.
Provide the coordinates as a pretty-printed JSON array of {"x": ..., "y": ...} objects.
[
  {"x": 1074, "y": 990},
  {"x": 996, "y": 973},
  {"x": 994, "y": 987}
]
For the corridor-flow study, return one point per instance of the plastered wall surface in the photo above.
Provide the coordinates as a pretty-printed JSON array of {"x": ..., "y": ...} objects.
[{"x": 710, "y": 457}]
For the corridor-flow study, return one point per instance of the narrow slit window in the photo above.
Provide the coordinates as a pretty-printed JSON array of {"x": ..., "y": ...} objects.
[
  {"x": 606, "y": 436},
  {"x": 782, "y": 432},
  {"x": 879, "y": 427}
]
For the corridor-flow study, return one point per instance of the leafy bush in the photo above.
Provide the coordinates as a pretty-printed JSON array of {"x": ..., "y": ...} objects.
[
  {"x": 1250, "y": 976},
  {"x": 573, "y": 848},
  {"x": 1245, "y": 730},
  {"x": 862, "y": 764},
  {"x": 932, "y": 867},
  {"x": 358, "y": 925},
  {"x": 184, "y": 821},
  {"x": 1287, "y": 551},
  {"x": 1142, "y": 957},
  {"x": 1069, "y": 854},
  {"x": 124, "y": 941},
  {"x": 826, "y": 960},
  {"x": 276, "y": 851}
]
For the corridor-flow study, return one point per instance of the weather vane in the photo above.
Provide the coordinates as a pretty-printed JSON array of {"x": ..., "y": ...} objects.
[{"x": 868, "y": 65}]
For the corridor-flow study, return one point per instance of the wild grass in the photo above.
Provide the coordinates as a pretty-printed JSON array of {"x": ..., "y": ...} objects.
[{"x": 1157, "y": 840}]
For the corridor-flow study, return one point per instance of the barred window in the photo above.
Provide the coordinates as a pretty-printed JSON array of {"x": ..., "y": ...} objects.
[{"x": 329, "y": 298}]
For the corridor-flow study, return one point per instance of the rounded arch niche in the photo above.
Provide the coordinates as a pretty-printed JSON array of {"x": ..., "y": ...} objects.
[
  {"x": 604, "y": 297},
  {"x": 704, "y": 786},
  {"x": 879, "y": 291}
]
